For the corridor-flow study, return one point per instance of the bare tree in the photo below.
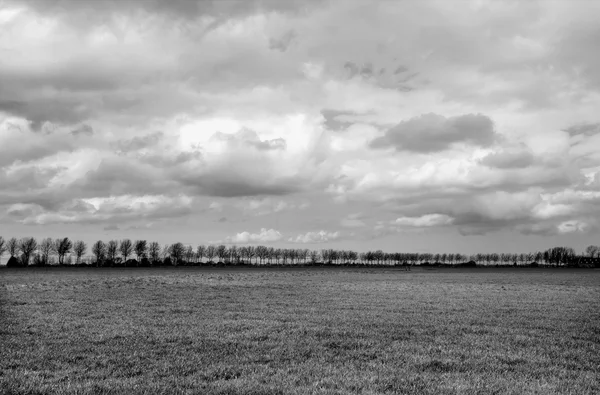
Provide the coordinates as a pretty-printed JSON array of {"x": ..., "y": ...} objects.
[
  {"x": 251, "y": 251},
  {"x": 277, "y": 254},
  {"x": 304, "y": 253},
  {"x": 243, "y": 253},
  {"x": 165, "y": 251},
  {"x": 221, "y": 252},
  {"x": 538, "y": 256},
  {"x": 314, "y": 256},
  {"x": 177, "y": 252},
  {"x": 27, "y": 246},
  {"x": 62, "y": 247},
  {"x": 111, "y": 250},
  {"x": 154, "y": 251},
  {"x": 189, "y": 254},
  {"x": 210, "y": 253},
  {"x": 141, "y": 247},
  {"x": 234, "y": 254},
  {"x": 45, "y": 249},
  {"x": 2, "y": 246},
  {"x": 126, "y": 248},
  {"x": 261, "y": 253},
  {"x": 79, "y": 249},
  {"x": 592, "y": 251},
  {"x": 12, "y": 246},
  {"x": 99, "y": 250},
  {"x": 200, "y": 252}
]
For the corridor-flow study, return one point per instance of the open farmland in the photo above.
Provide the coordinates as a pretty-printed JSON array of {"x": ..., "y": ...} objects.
[{"x": 299, "y": 331}]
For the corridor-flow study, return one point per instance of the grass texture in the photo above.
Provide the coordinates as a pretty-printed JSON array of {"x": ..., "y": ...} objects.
[{"x": 299, "y": 331}]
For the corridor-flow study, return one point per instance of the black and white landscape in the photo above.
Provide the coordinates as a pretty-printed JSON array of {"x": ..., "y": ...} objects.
[{"x": 299, "y": 197}]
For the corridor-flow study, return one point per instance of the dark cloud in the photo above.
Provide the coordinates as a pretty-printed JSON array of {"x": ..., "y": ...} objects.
[
  {"x": 79, "y": 206},
  {"x": 433, "y": 133},
  {"x": 80, "y": 83},
  {"x": 57, "y": 99},
  {"x": 98, "y": 11},
  {"x": 83, "y": 130},
  {"x": 381, "y": 76},
  {"x": 27, "y": 178},
  {"x": 228, "y": 184},
  {"x": 27, "y": 146},
  {"x": 333, "y": 119},
  {"x": 111, "y": 210},
  {"x": 39, "y": 104},
  {"x": 400, "y": 69},
  {"x": 22, "y": 211},
  {"x": 587, "y": 129},
  {"x": 282, "y": 43},
  {"x": 138, "y": 142},
  {"x": 509, "y": 159},
  {"x": 111, "y": 227},
  {"x": 164, "y": 161},
  {"x": 121, "y": 176}
]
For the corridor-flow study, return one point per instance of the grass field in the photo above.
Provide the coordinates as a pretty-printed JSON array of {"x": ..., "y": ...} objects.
[{"x": 299, "y": 331}]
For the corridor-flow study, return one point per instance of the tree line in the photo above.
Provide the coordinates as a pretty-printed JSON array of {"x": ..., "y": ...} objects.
[{"x": 28, "y": 251}]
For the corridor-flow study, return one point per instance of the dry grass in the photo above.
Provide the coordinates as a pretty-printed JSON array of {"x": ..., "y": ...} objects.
[{"x": 299, "y": 331}]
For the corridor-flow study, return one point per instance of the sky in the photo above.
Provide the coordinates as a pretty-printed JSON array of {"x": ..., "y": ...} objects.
[{"x": 414, "y": 126}]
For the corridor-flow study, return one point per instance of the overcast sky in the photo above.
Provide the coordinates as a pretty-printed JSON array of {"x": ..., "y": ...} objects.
[{"x": 449, "y": 126}]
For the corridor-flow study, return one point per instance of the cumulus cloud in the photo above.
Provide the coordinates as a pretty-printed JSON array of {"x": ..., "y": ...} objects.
[
  {"x": 427, "y": 220},
  {"x": 432, "y": 132},
  {"x": 83, "y": 129},
  {"x": 510, "y": 158},
  {"x": 264, "y": 236},
  {"x": 267, "y": 205},
  {"x": 315, "y": 237},
  {"x": 95, "y": 210},
  {"x": 259, "y": 106},
  {"x": 586, "y": 129},
  {"x": 138, "y": 142},
  {"x": 19, "y": 143}
]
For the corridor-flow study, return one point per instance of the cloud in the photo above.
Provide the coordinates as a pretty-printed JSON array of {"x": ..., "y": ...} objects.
[
  {"x": 98, "y": 210},
  {"x": 574, "y": 226},
  {"x": 17, "y": 178},
  {"x": 432, "y": 133},
  {"x": 511, "y": 158},
  {"x": 264, "y": 236},
  {"x": 427, "y": 220},
  {"x": 115, "y": 176},
  {"x": 237, "y": 163},
  {"x": 83, "y": 129},
  {"x": 586, "y": 129},
  {"x": 216, "y": 206},
  {"x": 138, "y": 142},
  {"x": 261, "y": 106},
  {"x": 19, "y": 143},
  {"x": 335, "y": 120},
  {"x": 267, "y": 205},
  {"x": 186, "y": 9},
  {"x": 248, "y": 138},
  {"x": 315, "y": 237},
  {"x": 354, "y": 220}
]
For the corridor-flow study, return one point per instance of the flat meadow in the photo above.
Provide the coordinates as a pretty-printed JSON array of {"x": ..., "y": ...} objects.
[{"x": 199, "y": 330}]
